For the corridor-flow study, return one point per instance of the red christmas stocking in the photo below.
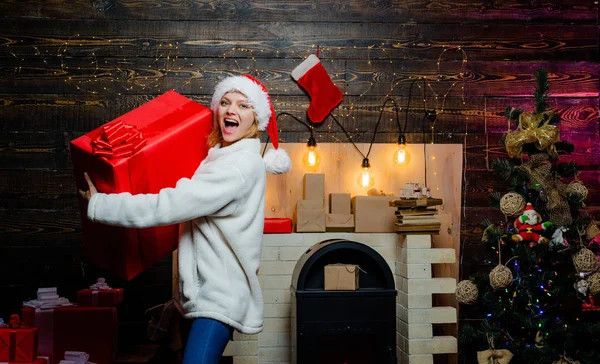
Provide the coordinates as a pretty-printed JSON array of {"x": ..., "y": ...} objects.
[{"x": 324, "y": 94}]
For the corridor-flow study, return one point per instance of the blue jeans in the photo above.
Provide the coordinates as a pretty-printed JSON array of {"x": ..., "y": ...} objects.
[{"x": 206, "y": 341}]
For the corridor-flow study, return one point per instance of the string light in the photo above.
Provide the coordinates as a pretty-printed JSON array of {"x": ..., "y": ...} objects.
[
  {"x": 311, "y": 158},
  {"x": 365, "y": 178}
]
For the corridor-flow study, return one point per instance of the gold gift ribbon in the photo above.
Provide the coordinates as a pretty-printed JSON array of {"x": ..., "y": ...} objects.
[
  {"x": 493, "y": 356},
  {"x": 533, "y": 128}
]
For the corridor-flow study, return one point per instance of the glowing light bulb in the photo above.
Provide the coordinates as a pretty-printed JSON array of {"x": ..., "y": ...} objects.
[
  {"x": 311, "y": 158},
  {"x": 401, "y": 155},
  {"x": 365, "y": 177}
]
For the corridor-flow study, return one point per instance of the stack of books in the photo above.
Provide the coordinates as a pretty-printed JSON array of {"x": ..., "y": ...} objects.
[{"x": 416, "y": 216}]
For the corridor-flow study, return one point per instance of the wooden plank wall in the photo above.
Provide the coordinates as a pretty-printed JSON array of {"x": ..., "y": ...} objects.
[{"x": 67, "y": 67}]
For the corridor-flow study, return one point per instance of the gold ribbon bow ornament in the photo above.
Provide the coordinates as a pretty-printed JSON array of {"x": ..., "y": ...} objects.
[
  {"x": 493, "y": 356},
  {"x": 533, "y": 128},
  {"x": 564, "y": 360}
]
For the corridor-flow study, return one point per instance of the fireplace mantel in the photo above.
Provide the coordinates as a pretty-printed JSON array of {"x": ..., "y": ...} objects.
[{"x": 279, "y": 257}]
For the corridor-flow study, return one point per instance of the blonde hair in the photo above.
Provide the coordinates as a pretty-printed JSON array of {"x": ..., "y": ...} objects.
[{"x": 216, "y": 137}]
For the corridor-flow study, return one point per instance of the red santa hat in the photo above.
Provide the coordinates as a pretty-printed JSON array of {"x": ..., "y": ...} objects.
[
  {"x": 529, "y": 207},
  {"x": 276, "y": 159}
]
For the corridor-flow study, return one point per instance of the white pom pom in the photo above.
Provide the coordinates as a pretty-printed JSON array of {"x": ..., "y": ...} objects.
[{"x": 277, "y": 161}]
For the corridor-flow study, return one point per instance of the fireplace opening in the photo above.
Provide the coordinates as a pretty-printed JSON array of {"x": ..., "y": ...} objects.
[{"x": 343, "y": 327}]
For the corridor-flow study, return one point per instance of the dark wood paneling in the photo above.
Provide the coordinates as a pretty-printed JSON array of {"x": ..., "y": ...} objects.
[
  {"x": 40, "y": 228},
  {"x": 199, "y": 76},
  {"x": 464, "y": 11},
  {"x": 210, "y": 39},
  {"x": 75, "y": 115},
  {"x": 37, "y": 189}
]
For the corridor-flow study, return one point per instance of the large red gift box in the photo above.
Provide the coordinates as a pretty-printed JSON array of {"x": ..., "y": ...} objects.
[
  {"x": 143, "y": 151},
  {"x": 19, "y": 344},
  {"x": 90, "y": 329}
]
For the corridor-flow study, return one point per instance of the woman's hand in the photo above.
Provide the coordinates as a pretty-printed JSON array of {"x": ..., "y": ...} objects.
[{"x": 92, "y": 189}]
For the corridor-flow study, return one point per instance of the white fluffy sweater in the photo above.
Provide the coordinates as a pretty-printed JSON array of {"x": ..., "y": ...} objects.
[{"x": 220, "y": 212}]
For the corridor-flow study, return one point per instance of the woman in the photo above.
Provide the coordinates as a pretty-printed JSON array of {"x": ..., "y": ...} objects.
[{"x": 221, "y": 215}]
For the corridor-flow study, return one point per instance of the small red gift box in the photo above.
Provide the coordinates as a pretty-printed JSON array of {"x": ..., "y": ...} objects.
[
  {"x": 143, "y": 151},
  {"x": 277, "y": 225},
  {"x": 89, "y": 329},
  {"x": 100, "y": 297},
  {"x": 18, "y": 344},
  {"x": 100, "y": 294}
]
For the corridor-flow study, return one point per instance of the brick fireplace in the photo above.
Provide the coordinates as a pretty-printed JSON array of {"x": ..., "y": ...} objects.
[{"x": 409, "y": 260}]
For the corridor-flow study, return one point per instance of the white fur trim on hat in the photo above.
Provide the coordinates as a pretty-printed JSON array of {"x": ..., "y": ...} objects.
[
  {"x": 256, "y": 97},
  {"x": 277, "y": 161}
]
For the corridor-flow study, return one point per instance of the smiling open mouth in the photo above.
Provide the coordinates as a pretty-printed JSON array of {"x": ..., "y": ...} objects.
[{"x": 231, "y": 123}]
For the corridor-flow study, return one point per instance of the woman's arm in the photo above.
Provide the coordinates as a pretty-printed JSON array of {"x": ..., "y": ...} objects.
[{"x": 212, "y": 192}]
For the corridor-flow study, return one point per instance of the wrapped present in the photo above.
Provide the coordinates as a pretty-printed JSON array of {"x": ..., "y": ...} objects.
[
  {"x": 143, "y": 151},
  {"x": 100, "y": 294},
  {"x": 339, "y": 222},
  {"x": 18, "y": 343},
  {"x": 373, "y": 214},
  {"x": 341, "y": 277},
  {"x": 76, "y": 357},
  {"x": 310, "y": 221},
  {"x": 276, "y": 225},
  {"x": 39, "y": 360},
  {"x": 88, "y": 329}
]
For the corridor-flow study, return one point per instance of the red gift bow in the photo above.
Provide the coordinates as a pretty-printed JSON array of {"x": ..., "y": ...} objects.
[
  {"x": 15, "y": 322},
  {"x": 118, "y": 141}
]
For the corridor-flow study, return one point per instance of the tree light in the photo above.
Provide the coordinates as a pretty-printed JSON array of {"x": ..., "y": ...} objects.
[
  {"x": 365, "y": 177},
  {"x": 401, "y": 156},
  {"x": 311, "y": 158}
]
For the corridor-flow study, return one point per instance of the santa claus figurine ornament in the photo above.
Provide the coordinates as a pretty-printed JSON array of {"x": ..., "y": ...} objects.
[{"x": 530, "y": 226}]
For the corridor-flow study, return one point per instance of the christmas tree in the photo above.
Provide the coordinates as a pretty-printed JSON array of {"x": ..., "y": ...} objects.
[{"x": 531, "y": 304}]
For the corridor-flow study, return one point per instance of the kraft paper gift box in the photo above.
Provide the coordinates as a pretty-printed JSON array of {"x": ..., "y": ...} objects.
[
  {"x": 339, "y": 222},
  {"x": 100, "y": 294},
  {"x": 310, "y": 221},
  {"x": 18, "y": 344},
  {"x": 310, "y": 205},
  {"x": 341, "y": 277},
  {"x": 339, "y": 203},
  {"x": 373, "y": 214},
  {"x": 143, "y": 151},
  {"x": 89, "y": 329},
  {"x": 314, "y": 186}
]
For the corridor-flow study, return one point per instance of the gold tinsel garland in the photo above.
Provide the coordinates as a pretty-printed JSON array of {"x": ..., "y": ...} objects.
[{"x": 539, "y": 170}]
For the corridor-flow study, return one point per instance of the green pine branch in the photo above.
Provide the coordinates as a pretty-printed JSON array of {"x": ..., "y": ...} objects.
[
  {"x": 512, "y": 113},
  {"x": 566, "y": 170},
  {"x": 542, "y": 86},
  {"x": 503, "y": 168},
  {"x": 564, "y": 147}
]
